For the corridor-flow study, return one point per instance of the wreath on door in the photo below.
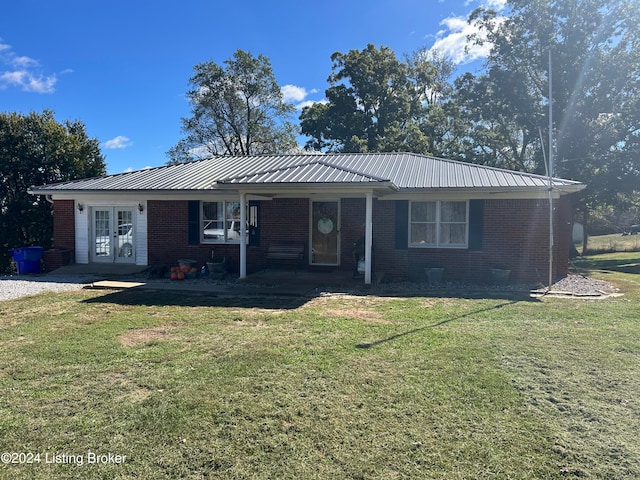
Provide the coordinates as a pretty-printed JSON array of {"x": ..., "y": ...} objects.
[{"x": 325, "y": 225}]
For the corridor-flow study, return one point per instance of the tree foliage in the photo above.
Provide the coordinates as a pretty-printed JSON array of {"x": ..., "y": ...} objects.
[
  {"x": 499, "y": 121},
  {"x": 35, "y": 149},
  {"x": 500, "y": 117},
  {"x": 595, "y": 51},
  {"x": 376, "y": 103},
  {"x": 236, "y": 109}
]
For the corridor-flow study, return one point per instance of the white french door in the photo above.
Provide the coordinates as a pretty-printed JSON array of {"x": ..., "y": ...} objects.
[{"x": 112, "y": 235}]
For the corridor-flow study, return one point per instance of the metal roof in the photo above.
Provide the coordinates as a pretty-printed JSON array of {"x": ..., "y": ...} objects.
[{"x": 397, "y": 171}]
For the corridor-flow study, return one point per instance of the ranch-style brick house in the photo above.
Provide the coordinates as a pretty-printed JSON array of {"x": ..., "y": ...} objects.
[{"x": 383, "y": 214}]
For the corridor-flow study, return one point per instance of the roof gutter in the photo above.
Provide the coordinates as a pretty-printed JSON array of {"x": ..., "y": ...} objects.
[
  {"x": 230, "y": 187},
  {"x": 382, "y": 188}
]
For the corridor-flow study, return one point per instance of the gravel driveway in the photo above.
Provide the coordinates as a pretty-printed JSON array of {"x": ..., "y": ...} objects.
[{"x": 22, "y": 285}]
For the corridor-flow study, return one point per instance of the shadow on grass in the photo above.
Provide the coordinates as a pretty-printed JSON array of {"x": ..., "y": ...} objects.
[
  {"x": 157, "y": 298},
  {"x": 443, "y": 322}
]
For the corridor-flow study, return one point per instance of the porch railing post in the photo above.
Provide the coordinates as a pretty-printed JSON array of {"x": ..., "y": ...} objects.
[
  {"x": 367, "y": 238},
  {"x": 243, "y": 235}
]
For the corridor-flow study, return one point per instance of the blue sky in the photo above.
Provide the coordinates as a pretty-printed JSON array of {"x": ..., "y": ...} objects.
[{"x": 122, "y": 67}]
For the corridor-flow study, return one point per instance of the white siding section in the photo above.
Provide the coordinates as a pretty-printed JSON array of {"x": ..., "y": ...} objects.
[
  {"x": 140, "y": 236},
  {"x": 82, "y": 234},
  {"x": 83, "y": 229}
]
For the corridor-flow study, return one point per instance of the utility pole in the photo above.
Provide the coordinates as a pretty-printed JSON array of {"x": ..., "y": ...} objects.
[{"x": 550, "y": 174}]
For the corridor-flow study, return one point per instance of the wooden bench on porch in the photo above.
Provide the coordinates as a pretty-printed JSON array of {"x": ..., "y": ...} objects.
[{"x": 285, "y": 253}]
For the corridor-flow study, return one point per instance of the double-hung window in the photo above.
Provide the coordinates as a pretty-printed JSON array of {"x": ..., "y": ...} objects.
[
  {"x": 220, "y": 222},
  {"x": 439, "y": 224}
]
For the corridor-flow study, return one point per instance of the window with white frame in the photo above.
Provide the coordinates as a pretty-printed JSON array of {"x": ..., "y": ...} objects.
[
  {"x": 439, "y": 224},
  {"x": 220, "y": 222}
]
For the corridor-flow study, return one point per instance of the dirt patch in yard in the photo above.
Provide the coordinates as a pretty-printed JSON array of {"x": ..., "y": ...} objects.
[
  {"x": 143, "y": 336},
  {"x": 358, "y": 314},
  {"x": 356, "y": 307}
]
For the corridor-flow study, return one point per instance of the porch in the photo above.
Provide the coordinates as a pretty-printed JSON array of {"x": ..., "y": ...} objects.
[{"x": 285, "y": 282}]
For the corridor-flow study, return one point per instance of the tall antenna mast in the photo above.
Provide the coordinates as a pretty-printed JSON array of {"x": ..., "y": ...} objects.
[{"x": 550, "y": 174}]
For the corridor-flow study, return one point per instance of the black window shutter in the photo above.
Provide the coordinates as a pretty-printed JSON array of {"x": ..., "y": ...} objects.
[
  {"x": 476, "y": 219},
  {"x": 194, "y": 222},
  {"x": 402, "y": 224},
  {"x": 254, "y": 223}
]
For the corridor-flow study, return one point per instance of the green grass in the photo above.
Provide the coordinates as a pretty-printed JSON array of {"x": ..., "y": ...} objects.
[
  {"x": 612, "y": 243},
  {"x": 350, "y": 387}
]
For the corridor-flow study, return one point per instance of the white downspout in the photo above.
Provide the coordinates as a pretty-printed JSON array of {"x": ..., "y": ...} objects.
[
  {"x": 243, "y": 235},
  {"x": 368, "y": 238}
]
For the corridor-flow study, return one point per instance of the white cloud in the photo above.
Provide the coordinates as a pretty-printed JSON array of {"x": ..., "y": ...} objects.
[
  {"x": 308, "y": 103},
  {"x": 293, "y": 93},
  {"x": 22, "y": 72},
  {"x": 453, "y": 40},
  {"x": 297, "y": 96},
  {"x": 40, "y": 84},
  {"x": 131, "y": 169},
  {"x": 118, "y": 142},
  {"x": 12, "y": 78},
  {"x": 496, "y": 5},
  {"x": 28, "y": 82},
  {"x": 24, "y": 62}
]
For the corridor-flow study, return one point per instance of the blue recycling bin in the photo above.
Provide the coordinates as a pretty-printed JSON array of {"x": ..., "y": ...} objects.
[{"x": 27, "y": 259}]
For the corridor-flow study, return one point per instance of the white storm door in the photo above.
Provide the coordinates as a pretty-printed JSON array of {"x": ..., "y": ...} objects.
[
  {"x": 112, "y": 235},
  {"x": 325, "y": 233}
]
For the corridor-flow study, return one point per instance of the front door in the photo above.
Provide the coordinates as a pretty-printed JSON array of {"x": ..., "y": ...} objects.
[
  {"x": 113, "y": 235},
  {"x": 325, "y": 233}
]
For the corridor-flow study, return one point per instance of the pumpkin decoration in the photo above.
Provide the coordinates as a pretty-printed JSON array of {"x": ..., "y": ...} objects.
[
  {"x": 174, "y": 275},
  {"x": 180, "y": 275}
]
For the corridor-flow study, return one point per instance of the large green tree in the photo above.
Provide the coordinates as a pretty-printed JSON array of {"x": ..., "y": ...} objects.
[
  {"x": 376, "y": 103},
  {"x": 35, "y": 149},
  {"x": 236, "y": 109},
  {"x": 595, "y": 52},
  {"x": 499, "y": 121}
]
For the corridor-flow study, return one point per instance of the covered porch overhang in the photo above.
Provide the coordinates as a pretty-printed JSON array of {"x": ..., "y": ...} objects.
[{"x": 368, "y": 192}]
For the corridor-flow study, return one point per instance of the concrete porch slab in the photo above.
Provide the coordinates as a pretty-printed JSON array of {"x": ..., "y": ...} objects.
[{"x": 100, "y": 270}]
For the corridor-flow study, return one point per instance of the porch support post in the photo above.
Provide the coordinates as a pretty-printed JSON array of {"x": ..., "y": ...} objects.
[
  {"x": 368, "y": 238},
  {"x": 243, "y": 235}
]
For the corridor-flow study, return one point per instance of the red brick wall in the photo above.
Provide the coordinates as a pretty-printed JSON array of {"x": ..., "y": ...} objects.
[
  {"x": 64, "y": 236},
  {"x": 281, "y": 219},
  {"x": 515, "y": 237},
  {"x": 168, "y": 241},
  {"x": 388, "y": 261},
  {"x": 284, "y": 219},
  {"x": 352, "y": 230},
  {"x": 168, "y": 237}
]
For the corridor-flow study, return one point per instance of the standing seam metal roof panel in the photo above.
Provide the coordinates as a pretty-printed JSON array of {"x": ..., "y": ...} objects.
[{"x": 405, "y": 171}]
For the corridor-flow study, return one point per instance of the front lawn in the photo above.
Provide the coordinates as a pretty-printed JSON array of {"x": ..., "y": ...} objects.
[{"x": 357, "y": 387}]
